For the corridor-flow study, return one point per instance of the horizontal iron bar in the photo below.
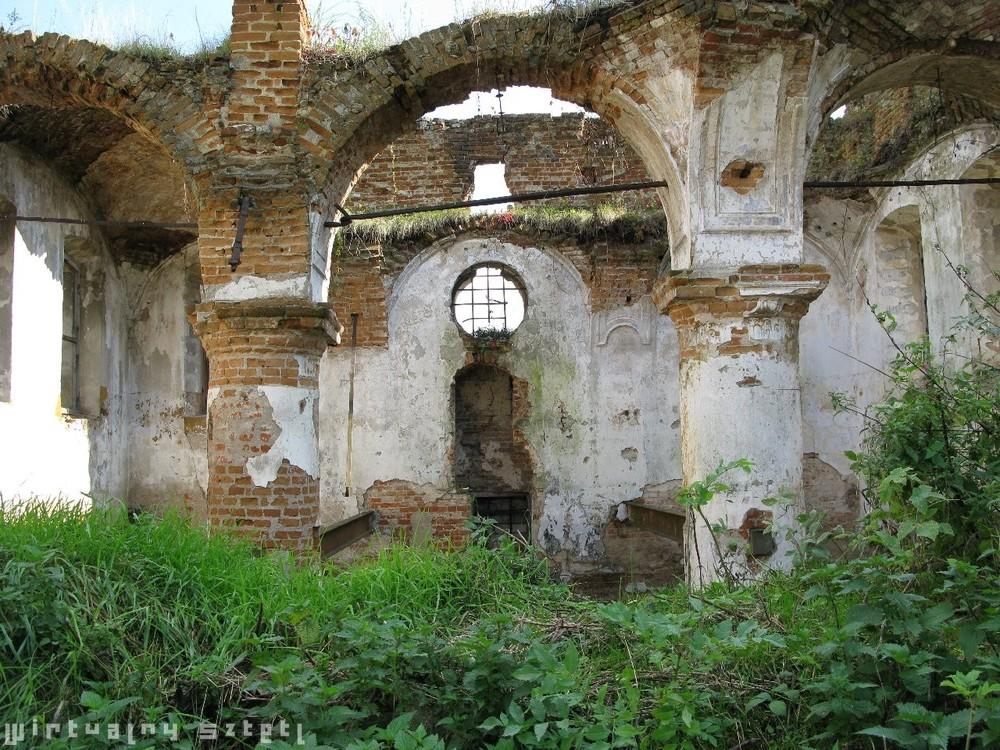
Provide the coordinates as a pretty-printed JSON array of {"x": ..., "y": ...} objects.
[
  {"x": 667, "y": 523},
  {"x": 513, "y": 198},
  {"x": 100, "y": 222},
  {"x": 338, "y": 536},
  {"x": 901, "y": 183}
]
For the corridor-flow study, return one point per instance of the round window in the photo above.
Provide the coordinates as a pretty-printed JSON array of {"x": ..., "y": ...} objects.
[{"x": 488, "y": 297}]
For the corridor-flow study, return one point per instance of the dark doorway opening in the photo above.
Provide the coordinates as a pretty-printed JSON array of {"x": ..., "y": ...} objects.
[
  {"x": 510, "y": 514},
  {"x": 491, "y": 458}
]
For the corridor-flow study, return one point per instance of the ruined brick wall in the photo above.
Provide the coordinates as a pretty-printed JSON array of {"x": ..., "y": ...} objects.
[
  {"x": 358, "y": 288},
  {"x": 437, "y": 163},
  {"x": 407, "y": 510},
  {"x": 488, "y": 455},
  {"x": 617, "y": 271}
]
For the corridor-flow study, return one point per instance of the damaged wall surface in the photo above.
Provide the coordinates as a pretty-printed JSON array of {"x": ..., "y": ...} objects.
[
  {"x": 597, "y": 432},
  {"x": 50, "y": 448},
  {"x": 144, "y": 363}
]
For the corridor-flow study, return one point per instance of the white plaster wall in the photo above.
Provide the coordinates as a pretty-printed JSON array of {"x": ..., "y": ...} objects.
[
  {"x": 169, "y": 461},
  {"x": 942, "y": 222},
  {"x": 755, "y": 121},
  {"x": 840, "y": 318},
  {"x": 590, "y": 401},
  {"x": 826, "y": 346},
  {"x": 44, "y": 453}
]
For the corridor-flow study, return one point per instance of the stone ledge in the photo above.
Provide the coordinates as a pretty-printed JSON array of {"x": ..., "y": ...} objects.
[
  {"x": 271, "y": 314},
  {"x": 742, "y": 292}
]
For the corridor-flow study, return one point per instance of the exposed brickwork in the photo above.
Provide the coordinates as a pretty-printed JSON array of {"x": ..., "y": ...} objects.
[
  {"x": 358, "y": 286},
  {"x": 616, "y": 273},
  {"x": 266, "y": 51},
  {"x": 734, "y": 41},
  {"x": 753, "y": 295},
  {"x": 437, "y": 162},
  {"x": 621, "y": 275},
  {"x": 276, "y": 240},
  {"x": 488, "y": 455},
  {"x": 397, "y": 503},
  {"x": 250, "y": 345}
]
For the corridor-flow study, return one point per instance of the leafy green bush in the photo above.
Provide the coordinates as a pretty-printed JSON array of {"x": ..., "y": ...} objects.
[
  {"x": 103, "y": 618},
  {"x": 943, "y": 424}
]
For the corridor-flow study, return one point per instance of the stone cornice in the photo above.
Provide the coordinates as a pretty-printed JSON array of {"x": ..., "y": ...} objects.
[
  {"x": 760, "y": 290},
  {"x": 314, "y": 322}
]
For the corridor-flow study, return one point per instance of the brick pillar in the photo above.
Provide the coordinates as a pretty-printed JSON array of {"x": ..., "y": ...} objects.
[
  {"x": 739, "y": 398},
  {"x": 265, "y": 54},
  {"x": 258, "y": 159},
  {"x": 263, "y": 401}
]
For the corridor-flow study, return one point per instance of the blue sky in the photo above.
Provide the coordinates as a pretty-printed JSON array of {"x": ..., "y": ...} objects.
[{"x": 189, "y": 21}]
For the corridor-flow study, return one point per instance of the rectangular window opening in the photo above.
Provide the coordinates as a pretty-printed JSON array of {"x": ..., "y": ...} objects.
[
  {"x": 70, "y": 395},
  {"x": 510, "y": 513}
]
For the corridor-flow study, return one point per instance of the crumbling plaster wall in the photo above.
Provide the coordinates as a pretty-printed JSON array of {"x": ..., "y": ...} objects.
[
  {"x": 168, "y": 465},
  {"x": 842, "y": 345},
  {"x": 604, "y": 419},
  {"x": 602, "y": 422},
  {"x": 47, "y": 453},
  {"x": 948, "y": 233},
  {"x": 825, "y": 366}
]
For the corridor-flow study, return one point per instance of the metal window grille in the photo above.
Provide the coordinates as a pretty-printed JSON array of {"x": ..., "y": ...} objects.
[
  {"x": 510, "y": 513},
  {"x": 489, "y": 299},
  {"x": 71, "y": 337}
]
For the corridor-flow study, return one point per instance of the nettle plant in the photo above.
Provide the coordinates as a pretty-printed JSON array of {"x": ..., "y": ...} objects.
[{"x": 941, "y": 421}]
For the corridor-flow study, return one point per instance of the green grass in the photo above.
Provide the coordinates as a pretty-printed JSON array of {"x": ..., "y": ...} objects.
[
  {"x": 159, "y": 608},
  {"x": 609, "y": 222},
  {"x": 103, "y": 618}
]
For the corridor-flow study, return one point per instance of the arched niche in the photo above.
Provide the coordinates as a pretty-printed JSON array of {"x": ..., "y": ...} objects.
[
  {"x": 899, "y": 258},
  {"x": 980, "y": 206}
]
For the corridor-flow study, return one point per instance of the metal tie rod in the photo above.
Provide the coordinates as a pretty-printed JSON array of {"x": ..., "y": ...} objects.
[
  {"x": 513, "y": 198},
  {"x": 829, "y": 184},
  {"x": 100, "y": 222}
]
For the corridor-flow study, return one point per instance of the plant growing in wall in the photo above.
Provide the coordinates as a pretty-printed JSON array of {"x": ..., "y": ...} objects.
[{"x": 486, "y": 336}]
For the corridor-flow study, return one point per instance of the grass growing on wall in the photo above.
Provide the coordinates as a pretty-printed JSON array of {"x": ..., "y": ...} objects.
[{"x": 610, "y": 222}]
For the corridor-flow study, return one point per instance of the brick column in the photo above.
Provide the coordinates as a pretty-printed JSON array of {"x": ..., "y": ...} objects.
[
  {"x": 265, "y": 53},
  {"x": 263, "y": 401},
  {"x": 739, "y": 398}
]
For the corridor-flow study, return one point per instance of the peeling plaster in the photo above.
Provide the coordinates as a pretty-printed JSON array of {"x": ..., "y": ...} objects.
[
  {"x": 256, "y": 287},
  {"x": 294, "y": 413}
]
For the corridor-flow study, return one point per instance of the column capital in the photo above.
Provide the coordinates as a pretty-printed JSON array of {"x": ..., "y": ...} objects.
[
  {"x": 754, "y": 309},
  {"x": 300, "y": 323},
  {"x": 265, "y": 341},
  {"x": 760, "y": 290}
]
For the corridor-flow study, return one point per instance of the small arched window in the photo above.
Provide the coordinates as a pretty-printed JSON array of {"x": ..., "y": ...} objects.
[{"x": 488, "y": 297}]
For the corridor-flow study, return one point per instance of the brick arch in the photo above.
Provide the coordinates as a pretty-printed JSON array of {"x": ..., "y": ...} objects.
[
  {"x": 968, "y": 68},
  {"x": 349, "y": 117},
  {"x": 56, "y": 71}
]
